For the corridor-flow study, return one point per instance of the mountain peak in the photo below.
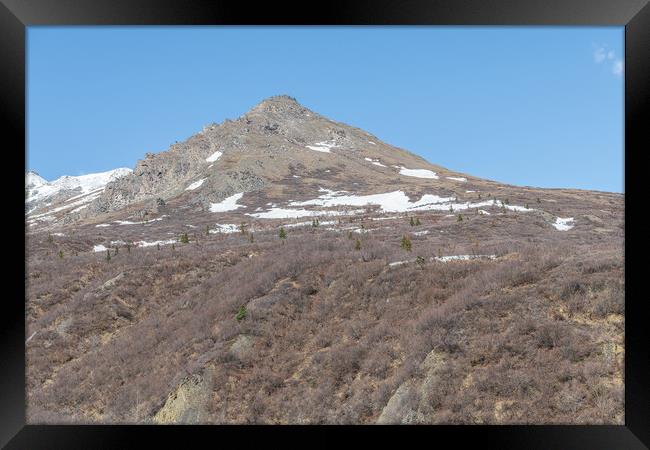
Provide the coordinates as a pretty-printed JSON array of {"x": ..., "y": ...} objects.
[
  {"x": 280, "y": 99},
  {"x": 278, "y": 104},
  {"x": 33, "y": 179}
]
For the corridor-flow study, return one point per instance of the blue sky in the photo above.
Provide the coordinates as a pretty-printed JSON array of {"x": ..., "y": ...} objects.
[{"x": 536, "y": 106}]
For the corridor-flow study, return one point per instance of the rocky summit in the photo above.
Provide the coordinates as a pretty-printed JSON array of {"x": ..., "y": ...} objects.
[{"x": 286, "y": 268}]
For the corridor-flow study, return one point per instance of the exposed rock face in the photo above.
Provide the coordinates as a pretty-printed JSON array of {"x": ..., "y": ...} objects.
[
  {"x": 188, "y": 403},
  {"x": 411, "y": 402}
]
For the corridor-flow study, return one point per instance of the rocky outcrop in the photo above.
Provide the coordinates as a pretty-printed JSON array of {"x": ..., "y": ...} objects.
[
  {"x": 188, "y": 404},
  {"x": 410, "y": 403}
]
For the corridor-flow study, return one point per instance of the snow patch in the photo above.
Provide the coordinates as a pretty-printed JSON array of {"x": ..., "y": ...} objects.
[
  {"x": 517, "y": 208},
  {"x": 386, "y": 218},
  {"x": 463, "y": 179},
  {"x": 298, "y": 224},
  {"x": 461, "y": 257},
  {"x": 149, "y": 244},
  {"x": 396, "y": 201},
  {"x": 563, "y": 224},
  {"x": 421, "y": 233},
  {"x": 304, "y": 224},
  {"x": 323, "y": 147},
  {"x": 195, "y": 185},
  {"x": 285, "y": 213},
  {"x": 225, "y": 228},
  {"x": 96, "y": 191},
  {"x": 418, "y": 173},
  {"x": 398, "y": 263},
  {"x": 227, "y": 204},
  {"x": 213, "y": 157},
  {"x": 375, "y": 162},
  {"x": 128, "y": 222}
]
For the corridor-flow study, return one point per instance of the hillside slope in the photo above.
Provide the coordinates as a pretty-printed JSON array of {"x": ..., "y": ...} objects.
[{"x": 284, "y": 268}]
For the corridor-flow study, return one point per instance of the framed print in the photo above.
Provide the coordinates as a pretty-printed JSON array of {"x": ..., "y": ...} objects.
[{"x": 252, "y": 220}]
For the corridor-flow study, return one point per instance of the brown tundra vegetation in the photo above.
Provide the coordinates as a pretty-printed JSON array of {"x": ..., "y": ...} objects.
[{"x": 314, "y": 328}]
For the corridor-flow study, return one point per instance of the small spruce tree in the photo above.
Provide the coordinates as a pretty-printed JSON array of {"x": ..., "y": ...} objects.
[
  {"x": 50, "y": 239},
  {"x": 241, "y": 313},
  {"x": 61, "y": 254},
  {"x": 128, "y": 248},
  {"x": 207, "y": 230},
  {"x": 406, "y": 243},
  {"x": 349, "y": 234},
  {"x": 185, "y": 238},
  {"x": 158, "y": 247},
  {"x": 283, "y": 234},
  {"x": 357, "y": 244},
  {"x": 242, "y": 228},
  {"x": 420, "y": 261},
  {"x": 412, "y": 222},
  {"x": 459, "y": 218},
  {"x": 117, "y": 249},
  {"x": 108, "y": 255},
  {"x": 251, "y": 238},
  {"x": 417, "y": 221}
]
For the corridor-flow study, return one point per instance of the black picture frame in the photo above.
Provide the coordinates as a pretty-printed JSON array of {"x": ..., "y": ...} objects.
[{"x": 16, "y": 15}]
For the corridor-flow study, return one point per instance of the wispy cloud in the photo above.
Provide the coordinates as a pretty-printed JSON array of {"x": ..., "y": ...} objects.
[{"x": 602, "y": 54}]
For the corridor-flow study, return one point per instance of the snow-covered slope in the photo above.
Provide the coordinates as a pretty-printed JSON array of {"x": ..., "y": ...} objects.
[
  {"x": 33, "y": 180},
  {"x": 38, "y": 188},
  {"x": 41, "y": 194}
]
